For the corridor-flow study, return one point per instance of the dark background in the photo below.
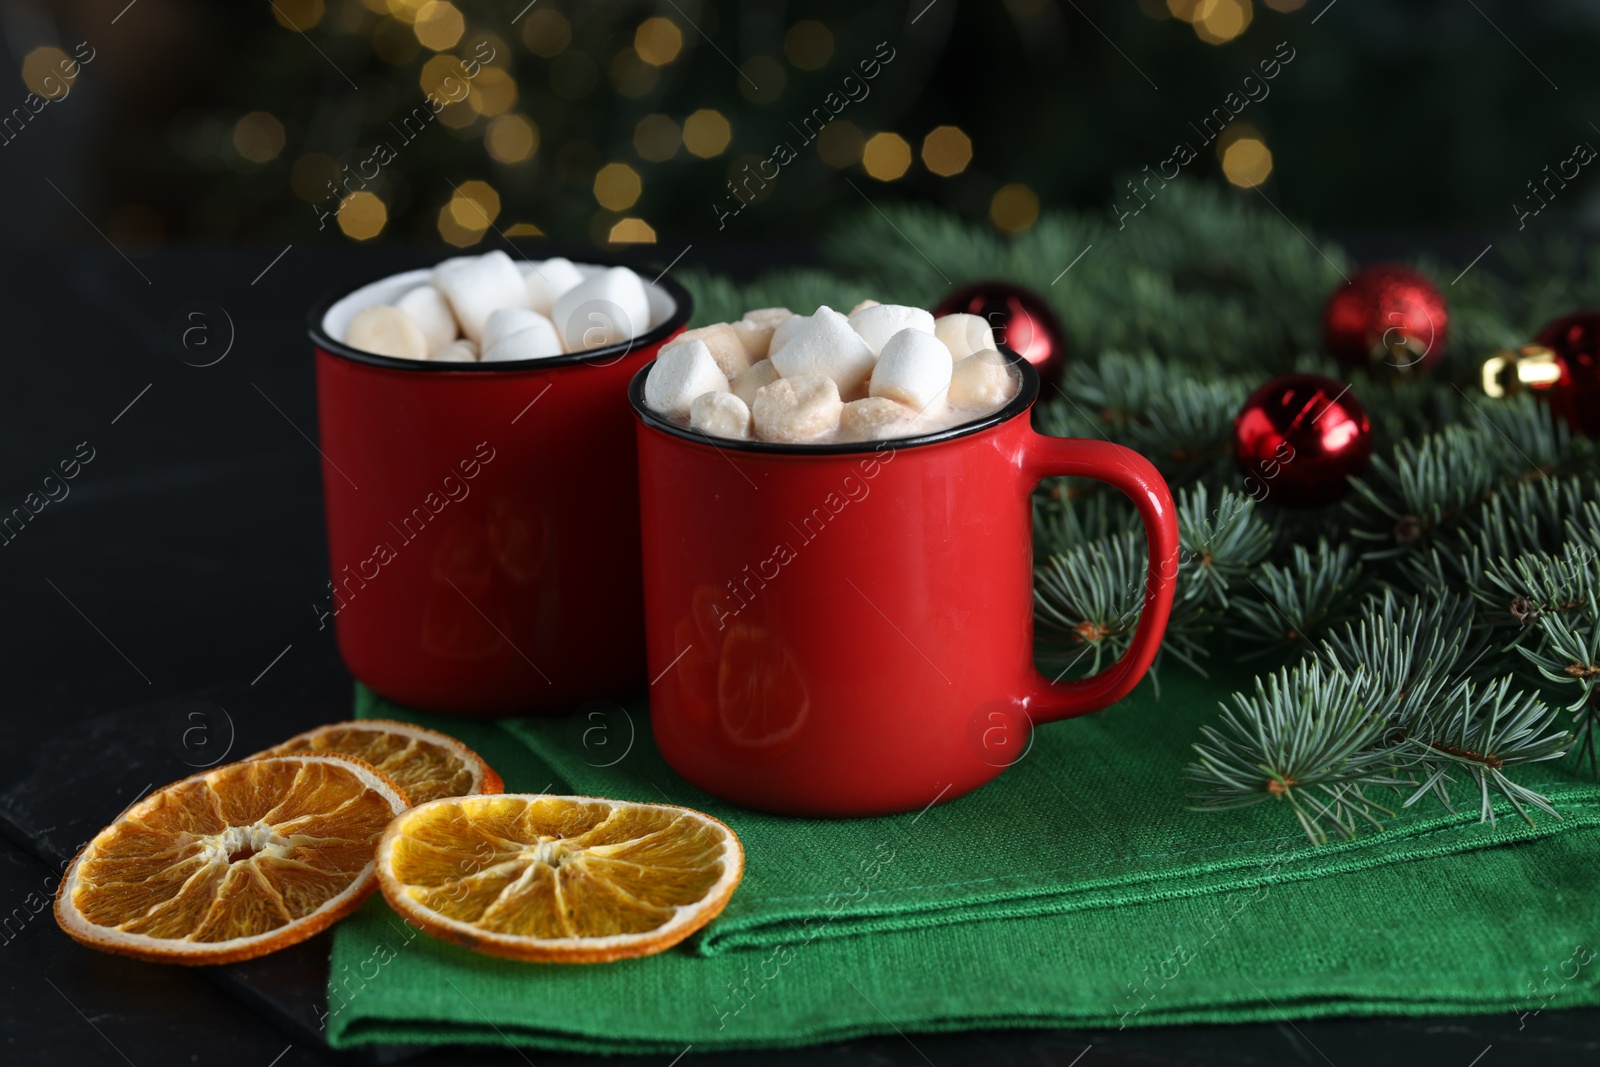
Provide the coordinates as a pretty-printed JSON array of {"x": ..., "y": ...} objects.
[{"x": 215, "y": 122}]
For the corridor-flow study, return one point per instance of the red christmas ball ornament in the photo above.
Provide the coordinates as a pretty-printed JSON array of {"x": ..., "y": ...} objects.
[
  {"x": 1021, "y": 321},
  {"x": 1299, "y": 438},
  {"x": 1575, "y": 395},
  {"x": 1386, "y": 314}
]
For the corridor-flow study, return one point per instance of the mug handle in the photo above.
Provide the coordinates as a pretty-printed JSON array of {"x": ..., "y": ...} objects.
[{"x": 1135, "y": 477}]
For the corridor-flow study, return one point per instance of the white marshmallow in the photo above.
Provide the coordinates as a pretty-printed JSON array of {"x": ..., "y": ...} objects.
[
  {"x": 825, "y": 344},
  {"x": 720, "y": 414},
  {"x": 747, "y": 384},
  {"x": 680, "y": 374},
  {"x": 783, "y": 331},
  {"x": 914, "y": 369},
  {"x": 507, "y": 321},
  {"x": 547, "y": 280},
  {"x": 982, "y": 380},
  {"x": 386, "y": 331},
  {"x": 864, "y": 305},
  {"x": 477, "y": 286},
  {"x": 725, "y": 346},
  {"x": 536, "y": 340},
  {"x": 877, "y": 418},
  {"x": 963, "y": 334},
  {"x": 802, "y": 408},
  {"x": 604, "y": 309},
  {"x": 431, "y": 312},
  {"x": 462, "y": 351},
  {"x": 757, "y": 327},
  {"x": 878, "y": 323}
]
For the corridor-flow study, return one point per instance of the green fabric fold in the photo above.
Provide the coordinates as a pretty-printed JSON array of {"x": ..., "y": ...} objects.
[{"x": 1075, "y": 890}]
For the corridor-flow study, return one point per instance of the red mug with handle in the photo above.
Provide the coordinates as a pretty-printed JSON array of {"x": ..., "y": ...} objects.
[{"x": 847, "y": 629}]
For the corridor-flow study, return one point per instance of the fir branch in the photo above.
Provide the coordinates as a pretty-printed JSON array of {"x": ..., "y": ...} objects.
[
  {"x": 1400, "y": 721},
  {"x": 1090, "y": 589},
  {"x": 1072, "y": 511},
  {"x": 1481, "y": 734},
  {"x": 1188, "y": 428},
  {"x": 1537, "y": 585},
  {"x": 1528, "y": 516},
  {"x": 1583, "y": 527},
  {"x": 1119, "y": 388},
  {"x": 1220, "y": 548},
  {"x": 1538, "y": 441},
  {"x": 1426, "y": 485},
  {"x": 1410, "y": 647},
  {"x": 1405, "y": 407},
  {"x": 1307, "y": 738},
  {"x": 1091, "y": 593},
  {"x": 1298, "y": 600},
  {"x": 1569, "y": 654}
]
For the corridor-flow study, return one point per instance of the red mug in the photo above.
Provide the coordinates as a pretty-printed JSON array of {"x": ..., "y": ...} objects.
[
  {"x": 847, "y": 629},
  {"x": 483, "y": 534}
]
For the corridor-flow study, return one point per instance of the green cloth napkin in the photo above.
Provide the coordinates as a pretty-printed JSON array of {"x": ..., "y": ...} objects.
[{"x": 1075, "y": 890}]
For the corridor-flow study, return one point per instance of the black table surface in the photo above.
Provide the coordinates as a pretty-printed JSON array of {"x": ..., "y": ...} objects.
[{"x": 172, "y": 588}]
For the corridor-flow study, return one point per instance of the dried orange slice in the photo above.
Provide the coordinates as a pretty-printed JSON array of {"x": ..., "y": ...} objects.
[
  {"x": 233, "y": 863},
  {"x": 558, "y": 879},
  {"x": 425, "y": 763}
]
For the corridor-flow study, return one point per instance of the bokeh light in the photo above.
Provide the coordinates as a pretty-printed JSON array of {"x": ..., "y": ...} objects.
[
  {"x": 886, "y": 156},
  {"x": 299, "y": 15},
  {"x": 617, "y": 186},
  {"x": 1014, "y": 208},
  {"x": 1220, "y": 21},
  {"x": 706, "y": 133},
  {"x": 41, "y": 72},
  {"x": 946, "y": 150},
  {"x": 511, "y": 139},
  {"x": 406, "y": 10},
  {"x": 494, "y": 47},
  {"x": 546, "y": 32},
  {"x": 658, "y": 41},
  {"x": 493, "y": 92},
  {"x": 436, "y": 74},
  {"x": 632, "y": 232},
  {"x": 258, "y": 137},
  {"x": 840, "y": 143},
  {"x": 808, "y": 45},
  {"x": 632, "y": 76},
  {"x": 456, "y": 234},
  {"x": 362, "y": 215},
  {"x": 475, "y": 204},
  {"x": 439, "y": 25},
  {"x": 657, "y": 138},
  {"x": 1246, "y": 159}
]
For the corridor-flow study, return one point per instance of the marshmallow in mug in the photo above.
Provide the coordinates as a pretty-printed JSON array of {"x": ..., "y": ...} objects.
[
  {"x": 487, "y": 309},
  {"x": 886, "y": 371}
]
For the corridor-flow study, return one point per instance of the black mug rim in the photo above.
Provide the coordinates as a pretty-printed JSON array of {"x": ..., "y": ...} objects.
[
  {"x": 610, "y": 354},
  {"x": 1027, "y": 394}
]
